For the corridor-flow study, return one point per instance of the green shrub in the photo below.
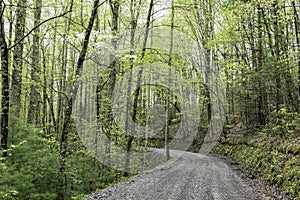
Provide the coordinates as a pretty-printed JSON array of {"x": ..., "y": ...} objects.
[{"x": 31, "y": 169}]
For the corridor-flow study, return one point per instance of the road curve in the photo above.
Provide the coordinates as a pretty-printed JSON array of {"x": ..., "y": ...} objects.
[{"x": 189, "y": 176}]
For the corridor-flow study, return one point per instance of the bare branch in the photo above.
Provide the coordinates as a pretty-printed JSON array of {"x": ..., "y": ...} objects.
[
  {"x": 2, "y": 11},
  {"x": 37, "y": 26},
  {"x": 102, "y": 3}
]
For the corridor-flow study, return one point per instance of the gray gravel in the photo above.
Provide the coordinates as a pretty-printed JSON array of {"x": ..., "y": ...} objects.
[{"x": 189, "y": 176}]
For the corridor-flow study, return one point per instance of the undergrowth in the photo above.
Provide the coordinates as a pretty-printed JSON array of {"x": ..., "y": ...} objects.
[{"x": 274, "y": 158}]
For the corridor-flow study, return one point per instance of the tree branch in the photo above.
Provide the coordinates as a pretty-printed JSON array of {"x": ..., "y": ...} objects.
[
  {"x": 2, "y": 11},
  {"x": 2, "y": 33},
  {"x": 37, "y": 26},
  {"x": 102, "y": 3}
]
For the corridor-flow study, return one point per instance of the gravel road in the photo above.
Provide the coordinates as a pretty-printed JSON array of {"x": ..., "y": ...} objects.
[{"x": 189, "y": 176}]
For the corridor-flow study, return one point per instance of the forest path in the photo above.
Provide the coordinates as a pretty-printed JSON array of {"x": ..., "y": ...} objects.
[{"x": 189, "y": 176}]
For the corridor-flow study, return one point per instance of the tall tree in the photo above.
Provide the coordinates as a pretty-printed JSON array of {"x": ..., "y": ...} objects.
[
  {"x": 297, "y": 36},
  {"x": 259, "y": 65},
  {"x": 5, "y": 82},
  {"x": 16, "y": 82},
  {"x": 134, "y": 15},
  {"x": 167, "y": 135},
  {"x": 71, "y": 97},
  {"x": 35, "y": 59}
]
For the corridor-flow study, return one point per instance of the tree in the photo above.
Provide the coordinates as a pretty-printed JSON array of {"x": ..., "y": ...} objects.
[
  {"x": 68, "y": 122},
  {"x": 36, "y": 69},
  {"x": 16, "y": 82},
  {"x": 5, "y": 83},
  {"x": 297, "y": 36}
]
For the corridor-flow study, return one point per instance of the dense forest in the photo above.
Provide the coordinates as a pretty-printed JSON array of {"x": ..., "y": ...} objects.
[{"x": 133, "y": 72}]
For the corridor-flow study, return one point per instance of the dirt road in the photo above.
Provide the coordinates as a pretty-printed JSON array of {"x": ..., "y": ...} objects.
[{"x": 190, "y": 176}]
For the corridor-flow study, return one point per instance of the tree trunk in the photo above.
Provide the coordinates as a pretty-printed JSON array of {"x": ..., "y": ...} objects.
[
  {"x": 138, "y": 91},
  {"x": 115, "y": 7},
  {"x": 130, "y": 137},
  {"x": 16, "y": 82},
  {"x": 277, "y": 38},
  {"x": 45, "y": 97},
  {"x": 168, "y": 94},
  {"x": 62, "y": 190},
  {"x": 51, "y": 84},
  {"x": 35, "y": 86},
  {"x": 147, "y": 28},
  {"x": 5, "y": 85},
  {"x": 258, "y": 67},
  {"x": 297, "y": 35}
]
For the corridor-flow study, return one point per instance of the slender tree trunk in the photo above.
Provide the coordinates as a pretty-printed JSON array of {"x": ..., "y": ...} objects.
[
  {"x": 62, "y": 70},
  {"x": 51, "y": 84},
  {"x": 45, "y": 96},
  {"x": 133, "y": 22},
  {"x": 297, "y": 35},
  {"x": 16, "y": 82},
  {"x": 168, "y": 94},
  {"x": 35, "y": 86},
  {"x": 277, "y": 38},
  {"x": 270, "y": 44},
  {"x": 258, "y": 67},
  {"x": 138, "y": 91},
  {"x": 5, "y": 84},
  {"x": 147, "y": 27},
  {"x": 115, "y": 9},
  {"x": 62, "y": 190}
]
